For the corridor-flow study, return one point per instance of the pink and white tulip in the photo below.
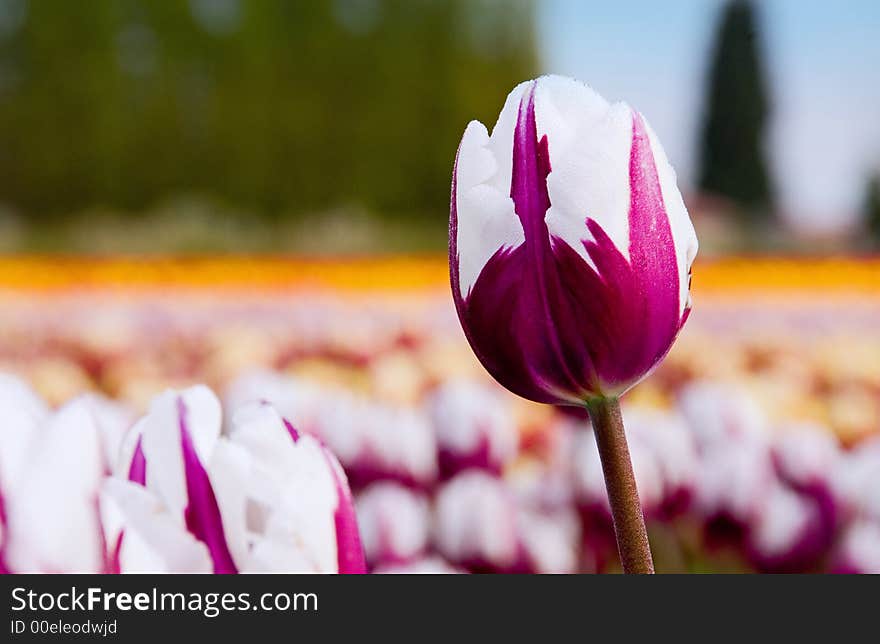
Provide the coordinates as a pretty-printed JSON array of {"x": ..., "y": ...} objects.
[
  {"x": 674, "y": 451},
  {"x": 51, "y": 468},
  {"x": 261, "y": 498},
  {"x": 379, "y": 442},
  {"x": 720, "y": 414},
  {"x": 395, "y": 523},
  {"x": 589, "y": 480},
  {"x": 475, "y": 524},
  {"x": 856, "y": 481},
  {"x": 570, "y": 245},
  {"x": 859, "y": 549},
  {"x": 431, "y": 565},
  {"x": 790, "y": 532},
  {"x": 479, "y": 526},
  {"x": 806, "y": 457},
  {"x": 733, "y": 480},
  {"x": 551, "y": 540},
  {"x": 474, "y": 428},
  {"x": 373, "y": 441}
]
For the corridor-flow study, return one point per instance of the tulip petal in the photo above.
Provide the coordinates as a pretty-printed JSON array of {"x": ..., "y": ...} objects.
[
  {"x": 137, "y": 471},
  {"x": 349, "y": 551},
  {"x": 143, "y": 537},
  {"x": 24, "y": 412},
  {"x": 202, "y": 515},
  {"x": 52, "y": 512},
  {"x": 548, "y": 324},
  {"x": 284, "y": 499}
]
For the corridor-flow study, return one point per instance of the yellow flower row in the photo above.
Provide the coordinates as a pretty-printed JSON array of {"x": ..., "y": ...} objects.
[{"x": 37, "y": 273}]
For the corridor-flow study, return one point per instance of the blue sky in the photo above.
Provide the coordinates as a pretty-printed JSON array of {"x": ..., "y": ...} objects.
[{"x": 823, "y": 65}]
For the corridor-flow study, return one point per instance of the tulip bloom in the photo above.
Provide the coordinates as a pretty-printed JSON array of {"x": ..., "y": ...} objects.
[
  {"x": 373, "y": 441},
  {"x": 379, "y": 442},
  {"x": 474, "y": 428},
  {"x": 589, "y": 481},
  {"x": 479, "y": 526},
  {"x": 51, "y": 468},
  {"x": 261, "y": 498},
  {"x": 570, "y": 246},
  {"x": 51, "y": 507},
  {"x": 733, "y": 480},
  {"x": 806, "y": 457},
  {"x": 722, "y": 415},
  {"x": 674, "y": 451},
  {"x": 790, "y": 534},
  {"x": 475, "y": 524},
  {"x": 394, "y": 523},
  {"x": 425, "y": 566},
  {"x": 856, "y": 481},
  {"x": 859, "y": 549}
]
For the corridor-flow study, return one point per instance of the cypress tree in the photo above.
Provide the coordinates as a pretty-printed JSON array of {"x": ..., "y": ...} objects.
[
  {"x": 872, "y": 208},
  {"x": 731, "y": 155}
]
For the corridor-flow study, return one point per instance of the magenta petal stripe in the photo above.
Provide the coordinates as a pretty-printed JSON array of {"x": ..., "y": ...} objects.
[
  {"x": 3, "y": 526},
  {"x": 291, "y": 430},
  {"x": 202, "y": 514},
  {"x": 349, "y": 550},
  {"x": 350, "y": 557},
  {"x": 137, "y": 471},
  {"x": 114, "y": 563},
  {"x": 545, "y": 323}
]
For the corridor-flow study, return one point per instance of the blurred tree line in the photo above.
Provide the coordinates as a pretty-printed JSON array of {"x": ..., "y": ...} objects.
[
  {"x": 275, "y": 106},
  {"x": 732, "y": 156},
  {"x": 872, "y": 209}
]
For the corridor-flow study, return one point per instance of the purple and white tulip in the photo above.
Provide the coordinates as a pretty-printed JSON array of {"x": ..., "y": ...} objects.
[
  {"x": 589, "y": 479},
  {"x": 432, "y": 565},
  {"x": 475, "y": 524},
  {"x": 474, "y": 428},
  {"x": 395, "y": 523},
  {"x": 732, "y": 482},
  {"x": 296, "y": 399},
  {"x": 545, "y": 487},
  {"x": 551, "y": 540},
  {"x": 674, "y": 452},
  {"x": 790, "y": 532},
  {"x": 51, "y": 469},
  {"x": 859, "y": 549},
  {"x": 479, "y": 526},
  {"x": 570, "y": 245},
  {"x": 379, "y": 442},
  {"x": 373, "y": 441},
  {"x": 261, "y": 498},
  {"x": 856, "y": 481},
  {"x": 51, "y": 509},
  {"x": 806, "y": 456},
  {"x": 720, "y": 414}
]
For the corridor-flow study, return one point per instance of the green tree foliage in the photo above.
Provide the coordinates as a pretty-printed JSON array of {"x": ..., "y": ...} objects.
[
  {"x": 731, "y": 153},
  {"x": 872, "y": 208},
  {"x": 271, "y": 105}
]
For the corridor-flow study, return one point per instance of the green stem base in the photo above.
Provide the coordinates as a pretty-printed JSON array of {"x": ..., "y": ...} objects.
[{"x": 620, "y": 483}]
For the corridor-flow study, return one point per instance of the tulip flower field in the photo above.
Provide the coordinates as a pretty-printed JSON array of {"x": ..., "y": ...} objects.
[{"x": 133, "y": 390}]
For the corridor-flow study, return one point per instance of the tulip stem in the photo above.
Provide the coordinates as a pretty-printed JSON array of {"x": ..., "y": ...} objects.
[{"x": 620, "y": 483}]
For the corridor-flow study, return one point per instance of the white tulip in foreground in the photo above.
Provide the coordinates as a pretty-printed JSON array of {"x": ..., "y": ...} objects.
[
  {"x": 51, "y": 468},
  {"x": 261, "y": 498},
  {"x": 184, "y": 498}
]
